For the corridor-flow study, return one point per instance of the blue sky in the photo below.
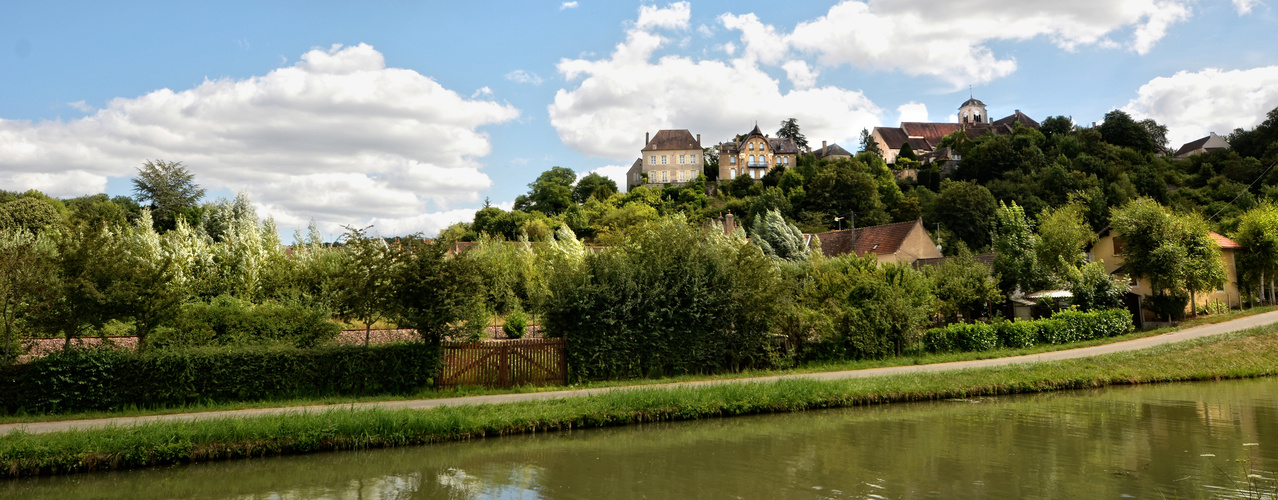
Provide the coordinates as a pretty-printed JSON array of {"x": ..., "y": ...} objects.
[{"x": 408, "y": 115}]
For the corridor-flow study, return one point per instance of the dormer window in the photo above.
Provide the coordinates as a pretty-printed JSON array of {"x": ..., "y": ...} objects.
[{"x": 751, "y": 146}]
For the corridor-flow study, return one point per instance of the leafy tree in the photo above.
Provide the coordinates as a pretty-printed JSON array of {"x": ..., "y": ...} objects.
[
  {"x": 710, "y": 163},
  {"x": 964, "y": 286},
  {"x": 169, "y": 188},
  {"x": 593, "y": 185},
  {"x": 1015, "y": 250},
  {"x": 1057, "y": 126},
  {"x": 1258, "y": 234},
  {"x": 1120, "y": 129},
  {"x": 1094, "y": 288},
  {"x": 740, "y": 186},
  {"x": 868, "y": 144},
  {"x": 364, "y": 284},
  {"x": 1063, "y": 232},
  {"x": 25, "y": 271},
  {"x": 964, "y": 209},
  {"x": 435, "y": 293},
  {"x": 1174, "y": 252},
  {"x": 777, "y": 237},
  {"x": 30, "y": 214},
  {"x": 84, "y": 285},
  {"x": 1157, "y": 135},
  {"x": 550, "y": 194},
  {"x": 150, "y": 290}
]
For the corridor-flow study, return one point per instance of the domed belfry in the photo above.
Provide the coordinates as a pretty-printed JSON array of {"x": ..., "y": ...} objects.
[{"x": 972, "y": 112}]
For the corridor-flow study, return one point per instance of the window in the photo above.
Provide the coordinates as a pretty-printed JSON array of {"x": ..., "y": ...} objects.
[
  {"x": 732, "y": 160},
  {"x": 692, "y": 159},
  {"x": 733, "y": 173},
  {"x": 752, "y": 146},
  {"x": 1118, "y": 246},
  {"x": 653, "y": 160},
  {"x": 683, "y": 176},
  {"x": 663, "y": 159},
  {"x": 663, "y": 176},
  {"x": 681, "y": 162},
  {"x": 751, "y": 161}
]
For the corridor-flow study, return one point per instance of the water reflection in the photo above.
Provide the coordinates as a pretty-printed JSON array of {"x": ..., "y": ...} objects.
[{"x": 1174, "y": 441}]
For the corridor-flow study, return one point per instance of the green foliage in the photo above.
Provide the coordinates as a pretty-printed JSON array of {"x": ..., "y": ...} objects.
[
  {"x": 777, "y": 237},
  {"x": 551, "y": 193},
  {"x": 907, "y": 152},
  {"x": 1015, "y": 250},
  {"x": 1120, "y": 129},
  {"x": 30, "y": 214},
  {"x": 670, "y": 300},
  {"x": 790, "y": 130},
  {"x": 595, "y": 186},
  {"x": 1175, "y": 252},
  {"x": 435, "y": 293},
  {"x": 110, "y": 379},
  {"x": 966, "y": 210},
  {"x": 1258, "y": 234},
  {"x": 964, "y": 286},
  {"x": 516, "y": 324},
  {"x": 362, "y": 285},
  {"x": 25, "y": 272},
  {"x": 228, "y": 321},
  {"x": 1063, "y": 233},
  {"x": 1062, "y": 328},
  {"x": 868, "y": 144},
  {"x": 1094, "y": 288},
  {"x": 169, "y": 188}
]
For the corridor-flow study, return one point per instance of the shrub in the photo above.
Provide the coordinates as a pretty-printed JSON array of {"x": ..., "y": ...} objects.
[
  {"x": 1075, "y": 326},
  {"x": 1017, "y": 333},
  {"x": 961, "y": 337},
  {"x": 228, "y": 321},
  {"x": 1062, "y": 328},
  {"x": 516, "y": 323},
  {"x": 110, "y": 379}
]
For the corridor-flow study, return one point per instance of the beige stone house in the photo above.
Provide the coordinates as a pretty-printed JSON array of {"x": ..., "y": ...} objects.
[
  {"x": 1207, "y": 144},
  {"x": 1108, "y": 250},
  {"x": 755, "y": 154},
  {"x": 671, "y": 157}
]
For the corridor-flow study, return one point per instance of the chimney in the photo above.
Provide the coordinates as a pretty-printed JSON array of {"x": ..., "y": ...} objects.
[
  {"x": 729, "y": 224},
  {"x": 822, "y": 148},
  {"x": 698, "y": 140},
  {"x": 645, "y": 139}
]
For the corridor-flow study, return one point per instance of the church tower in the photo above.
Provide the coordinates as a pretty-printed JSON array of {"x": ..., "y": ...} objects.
[{"x": 973, "y": 112}]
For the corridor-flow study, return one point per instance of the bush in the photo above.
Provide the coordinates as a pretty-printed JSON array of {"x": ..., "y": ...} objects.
[
  {"x": 516, "y": 323},
  {"x": 1017, "y": 333},
  {"x": 228, "y": 321},
  {"x": 111, "y": 379},
  {"x": 1075, "y": 326},
  {"x": 961, "y": 337}
]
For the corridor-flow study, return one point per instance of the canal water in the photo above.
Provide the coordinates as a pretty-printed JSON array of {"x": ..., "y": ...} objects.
[{"x": 1199, "y": 440}]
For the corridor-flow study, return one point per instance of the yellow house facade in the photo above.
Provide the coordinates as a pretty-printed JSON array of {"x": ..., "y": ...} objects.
[
  {"x": 755, "y": 155},
  {"x": 670, "y": 157},
  {"x": 1108, "y": 250}
]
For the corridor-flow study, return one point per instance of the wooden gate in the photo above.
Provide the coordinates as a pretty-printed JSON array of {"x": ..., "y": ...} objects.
[{"x": 504, "y": 363}]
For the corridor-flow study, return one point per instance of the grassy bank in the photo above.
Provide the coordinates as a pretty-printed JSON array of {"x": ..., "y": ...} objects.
[
  {"x": 1248, "y": 354},
  {"x": 912, "y": 357}
]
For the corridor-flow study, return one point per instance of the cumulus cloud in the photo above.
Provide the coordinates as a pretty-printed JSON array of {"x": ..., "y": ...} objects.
[
  {"x": 800, "y": 74},
  {"x": 1191, "y": 104},
  {"x": 81, "y": 106},
  {"x": 616, "y": 99},
  {"x": 567, "y": 5},
  {"x": 338, "y": 136},
  {"x": 912, "y": 112},
  {"x": 521, "y": 76},
  {"x": 950, "y": 40},
  {"x": 1245, "y": 6},
  {"x": 673, "y": 16}
]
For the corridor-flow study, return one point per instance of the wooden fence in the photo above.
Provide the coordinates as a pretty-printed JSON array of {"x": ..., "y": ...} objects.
[{"x": 504, "y": 363}]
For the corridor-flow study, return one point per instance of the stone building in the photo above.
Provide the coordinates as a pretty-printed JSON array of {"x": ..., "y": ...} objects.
[
  {"x": 755, "y": 154},
  {"x": 671, "y": 157},
  {"x": 925, "y": 137}
]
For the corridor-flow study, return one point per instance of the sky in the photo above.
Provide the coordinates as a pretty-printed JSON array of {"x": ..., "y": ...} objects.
[{"x": 409, "y": 116}]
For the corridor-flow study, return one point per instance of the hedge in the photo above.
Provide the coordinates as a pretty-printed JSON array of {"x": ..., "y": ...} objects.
[
  {"x": 107, "y": 379},
  {"x": 1062, "y": 328}
]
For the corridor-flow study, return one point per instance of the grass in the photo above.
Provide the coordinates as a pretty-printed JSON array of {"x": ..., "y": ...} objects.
[
  {"x": 911, "y": 358},
  {"x": 1253, "y": 353}
]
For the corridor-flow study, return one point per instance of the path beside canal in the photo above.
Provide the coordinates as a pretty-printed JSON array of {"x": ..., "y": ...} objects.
[{"x": 423, "y": 404}]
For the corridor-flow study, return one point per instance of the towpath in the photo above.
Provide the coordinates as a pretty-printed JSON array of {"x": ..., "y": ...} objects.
[{"x": 422, "y": 404}]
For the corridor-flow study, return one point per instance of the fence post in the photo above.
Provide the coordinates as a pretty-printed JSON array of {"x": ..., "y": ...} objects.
[{"x": 503, "y": 365}]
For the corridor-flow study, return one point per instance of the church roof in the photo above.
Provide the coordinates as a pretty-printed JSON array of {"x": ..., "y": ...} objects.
[
  {"x": 931, "y": 131},
  {"x": 672, "y": 139},
  {"x": 973, "y": 100}
]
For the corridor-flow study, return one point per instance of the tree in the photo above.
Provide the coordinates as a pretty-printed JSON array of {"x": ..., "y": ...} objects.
[
  {"x": 1174, "y": 252},
  {"x": 550, "y": 194},
  {"x": 24, "y": 276},
  {"x": 1157, "y": 135},
  {"x": 435, "y": 293},
  {"x": 710, "y": 163},
  {"x": 149, "y": 290},
  {"x": 29, "y": 214},
  {"x": 907, "y": 152},
  {"x": 84, "y": 290},
  {"x": 1094, "y": 288},
  {"x": 364, "y": 284},
  {"x": 868, "y": 144},
  {"x": 1120, "y": 129},
  {"x": 169, "y": 188},
  {"x": 593, "y": 185},
  {"x": 964, "y": 286},
  {"x": 1063, "y": 232},
  {"x": 1258, "y": 234},
  {"x": 1056, "y": 126},
  {"x": 777, "y": 237},
  {"x": 965, "y": 208},
  {"x": 1260, "y": 142},
  {"x": 790, "y": 130},
  {"x": 1015, "y": 250}
]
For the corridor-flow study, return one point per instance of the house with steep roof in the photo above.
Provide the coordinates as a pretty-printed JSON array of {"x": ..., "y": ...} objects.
[
  {"x": 925, "y": 137},
  {"x": 904, "y": 242},
  {"x": 830, "y": 152},
  {"x": 1108, "y": 249},
  {"x": 671, "y": 157},
  {"x": 755, "y": 154},
  {"x": 1207, "y": 144}
]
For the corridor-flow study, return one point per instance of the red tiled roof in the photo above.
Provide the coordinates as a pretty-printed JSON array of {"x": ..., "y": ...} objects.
[
  {"x": 933, "y": 132},
  {"x": 876, "y": 240},
  {"x": 1225, "y": 242}
]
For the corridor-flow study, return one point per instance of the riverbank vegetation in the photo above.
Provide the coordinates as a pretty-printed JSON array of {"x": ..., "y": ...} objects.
[{"x": 1253, "y": 353}]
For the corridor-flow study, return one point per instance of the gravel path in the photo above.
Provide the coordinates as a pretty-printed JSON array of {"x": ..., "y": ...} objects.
[{"x": 1129, "y": 345}]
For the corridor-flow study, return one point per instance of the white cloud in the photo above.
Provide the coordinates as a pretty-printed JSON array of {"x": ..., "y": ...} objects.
[
  {"x": 673, "y": 16},
  {"x": 567, "y": 5},
  {"x": 615, "y": 172},
  {"x": 950, "y": 40},
  {"x": 1191, "y": 104},
  {"x": 1245, "y": 6},
  {"x": 912, "y": 112},
  {"x": 800, "y": 74},
  {"x": 483, "y": 91},
  {"x": 620, "y": 97},
  {"x": 81, "y": 106},
  {"x": 338, "y": 136},
  {"x": 521, "y": 76}
]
